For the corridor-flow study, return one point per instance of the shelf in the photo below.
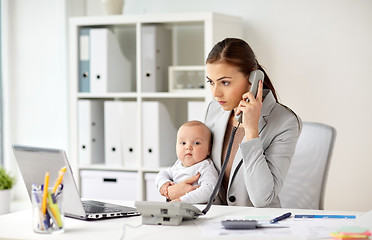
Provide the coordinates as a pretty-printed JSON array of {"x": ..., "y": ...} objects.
[
  {"x": 193, "y": 95},
  {"x": 173, "y": 95},
  {"x": 153, "y": 18},
  {"x": 122, "y": 169},
  {"x": 106, "y": 95},
  {"x": 146, "y": 111},
  {"x": 107, "y": 168}
]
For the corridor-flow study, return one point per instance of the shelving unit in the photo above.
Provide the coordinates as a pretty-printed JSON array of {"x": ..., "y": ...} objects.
[{"x": 192, "y": 37}]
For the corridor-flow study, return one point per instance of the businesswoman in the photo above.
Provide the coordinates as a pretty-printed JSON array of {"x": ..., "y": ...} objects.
[{"x": 265, "y": 140}]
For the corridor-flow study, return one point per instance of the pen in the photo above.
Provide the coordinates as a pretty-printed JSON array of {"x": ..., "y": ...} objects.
[
  {"x": 284, "y": 216},
  {"x": 59, "y": 190},
  {"x": 45, "y": 194},
  {"x": 59, "y": 179},
  {"x": 43, "y": 223},
  {"x": 326, "y": 216},
  {"x": 53, "y": 209}
]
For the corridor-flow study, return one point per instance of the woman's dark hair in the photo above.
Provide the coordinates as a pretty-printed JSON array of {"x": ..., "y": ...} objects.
[{"x": 238, "y": 53}]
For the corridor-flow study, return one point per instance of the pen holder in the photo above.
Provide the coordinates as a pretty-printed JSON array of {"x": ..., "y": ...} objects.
[{"x": 47, "y": 214}]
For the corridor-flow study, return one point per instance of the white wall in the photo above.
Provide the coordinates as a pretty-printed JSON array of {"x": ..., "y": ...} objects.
[
  {"x": 317, "y": 52},
  {"x": 35, "y": 76}
]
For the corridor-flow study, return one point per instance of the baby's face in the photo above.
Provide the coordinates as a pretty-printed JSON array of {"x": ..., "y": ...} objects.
[{"x": 193, "y": 144}]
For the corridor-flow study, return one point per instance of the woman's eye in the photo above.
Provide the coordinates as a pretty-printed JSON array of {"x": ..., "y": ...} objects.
[
  {"x": 210, "y": 82},
  {"x": 225, "y": 83}
]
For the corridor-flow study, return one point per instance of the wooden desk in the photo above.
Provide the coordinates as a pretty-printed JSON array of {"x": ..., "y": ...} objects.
[{"x": 19, "y": 225}]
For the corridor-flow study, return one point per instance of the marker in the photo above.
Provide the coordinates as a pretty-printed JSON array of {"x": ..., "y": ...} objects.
[
  {"x": 327, "y": 216},
  {"x": 45, "y": 194},
  {"x": 53, "y": 210},
  {"x": 282, "y": 217},
  {"x": 59, "y": 179}
]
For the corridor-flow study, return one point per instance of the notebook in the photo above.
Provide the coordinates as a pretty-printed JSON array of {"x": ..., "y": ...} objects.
[{"x": 34, "y": 162}]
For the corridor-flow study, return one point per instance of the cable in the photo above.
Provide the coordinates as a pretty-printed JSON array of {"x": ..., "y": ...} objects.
[
  {"x": 128, "y": 225},
  {"x": 219, "y": 181}
]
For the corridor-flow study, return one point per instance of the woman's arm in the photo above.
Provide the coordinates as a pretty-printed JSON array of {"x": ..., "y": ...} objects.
[
  {"x": 178, "y": 190},
  {"x": 207, "y": 182},
  {"x": 265, "y": 169}
]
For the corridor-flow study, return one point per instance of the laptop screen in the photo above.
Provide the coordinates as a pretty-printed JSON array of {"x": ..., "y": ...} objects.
[{"x": 34, "y": 162}]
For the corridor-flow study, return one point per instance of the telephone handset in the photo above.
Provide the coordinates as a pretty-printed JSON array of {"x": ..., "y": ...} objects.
[{"x": 254, "y": 77}]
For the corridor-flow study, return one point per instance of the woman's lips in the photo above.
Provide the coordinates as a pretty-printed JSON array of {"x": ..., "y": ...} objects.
[{"x": 221, "y": 102}]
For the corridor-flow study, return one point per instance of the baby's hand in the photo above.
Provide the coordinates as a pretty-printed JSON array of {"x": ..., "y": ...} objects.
[{"x": 164, "y": 189}]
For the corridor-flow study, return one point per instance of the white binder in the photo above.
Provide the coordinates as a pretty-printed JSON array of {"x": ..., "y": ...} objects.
[
  {"x": 110, "y": 70},
  {"x": 196, "y": 110},
  {"x": 130, "y": 123},
  {"x": 84, "y": 60},
  {"x": 114, "y": 133},
  {"x": 159, "y": 136},
  {"x": 91, "y": 131},
  {"x": 120, "y": 133},
  {"x": 156, "y": 58}
]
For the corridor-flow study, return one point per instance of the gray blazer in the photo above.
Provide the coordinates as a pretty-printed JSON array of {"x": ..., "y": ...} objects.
[{"x": 261, "y": 164}]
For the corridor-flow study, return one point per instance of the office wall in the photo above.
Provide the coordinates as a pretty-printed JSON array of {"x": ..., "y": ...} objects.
[
  {"x": 317, "y": 53},
  {"x": 35, "y": 76}
]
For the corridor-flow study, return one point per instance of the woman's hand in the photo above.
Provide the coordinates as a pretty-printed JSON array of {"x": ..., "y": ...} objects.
[
  {"x": 164, "y": 189},
  {"x": 178, "y": 190},
  {"x": 251, "y": 112}
]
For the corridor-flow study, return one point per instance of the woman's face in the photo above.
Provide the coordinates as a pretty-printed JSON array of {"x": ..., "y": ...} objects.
[{"x": 227, "y": 84}]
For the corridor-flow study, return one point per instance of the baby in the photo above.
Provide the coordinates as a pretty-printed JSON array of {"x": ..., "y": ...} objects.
[{"x": 193, "y": 149}]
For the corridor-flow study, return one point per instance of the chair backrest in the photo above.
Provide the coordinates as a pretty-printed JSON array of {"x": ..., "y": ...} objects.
[{"x": 305, "y": 183}]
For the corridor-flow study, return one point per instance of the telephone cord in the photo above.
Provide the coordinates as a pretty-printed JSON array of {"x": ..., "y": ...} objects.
[{"x": 223, "y": 168}]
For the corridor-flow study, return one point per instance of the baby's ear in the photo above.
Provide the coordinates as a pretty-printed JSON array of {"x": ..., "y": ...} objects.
[{"x": 209, "y": 150}]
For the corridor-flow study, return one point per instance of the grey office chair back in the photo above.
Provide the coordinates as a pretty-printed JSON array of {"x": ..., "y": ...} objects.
[{"x": 305, "y": 183}]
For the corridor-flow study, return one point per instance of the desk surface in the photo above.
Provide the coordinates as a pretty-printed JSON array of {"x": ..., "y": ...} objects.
[{"x": 18, "y": 225}]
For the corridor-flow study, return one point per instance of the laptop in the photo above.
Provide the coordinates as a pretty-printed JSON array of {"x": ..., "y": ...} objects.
[{"x": 34, "y": 162}]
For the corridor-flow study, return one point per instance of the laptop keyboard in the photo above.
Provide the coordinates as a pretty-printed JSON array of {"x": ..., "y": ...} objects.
[{"x": 98, "y": 209}]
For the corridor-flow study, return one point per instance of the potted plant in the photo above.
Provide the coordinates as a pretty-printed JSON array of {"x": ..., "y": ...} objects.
[{"x": 6, "y": 184}]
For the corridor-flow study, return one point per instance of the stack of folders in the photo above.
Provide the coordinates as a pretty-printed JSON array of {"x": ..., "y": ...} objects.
[
  {"x": 108, "y": 133},
  {"x": 103, "y": 67}
]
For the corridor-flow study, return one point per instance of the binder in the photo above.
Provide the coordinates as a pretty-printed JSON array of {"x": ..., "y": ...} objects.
[
  {"x": 120, "y": 133},
  {"x": 113, "y": 117},
  {"x": 91, "y": 131},
  {"x": 159, "y": 136},
  {"x": 84, "y": 60},
  {"x": 110, "y": 69},
  {"x": 196, "y": 110},
  {"x": 130, "y": 123},
  {"x": 156, "y": 49}
]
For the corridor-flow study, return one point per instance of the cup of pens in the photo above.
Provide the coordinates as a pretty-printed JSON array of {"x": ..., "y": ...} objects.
[{"x": 47, "y": 206}]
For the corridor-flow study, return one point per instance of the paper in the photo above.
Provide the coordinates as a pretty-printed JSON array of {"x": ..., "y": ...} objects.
[{"x": 305, "y": 228}]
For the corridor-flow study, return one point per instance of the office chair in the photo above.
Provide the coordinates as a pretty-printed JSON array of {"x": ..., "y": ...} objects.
[{"x": 305, "y": 183}]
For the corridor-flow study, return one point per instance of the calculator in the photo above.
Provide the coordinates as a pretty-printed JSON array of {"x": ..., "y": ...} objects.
[{"x": 239, "y": 224}]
